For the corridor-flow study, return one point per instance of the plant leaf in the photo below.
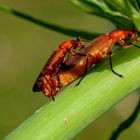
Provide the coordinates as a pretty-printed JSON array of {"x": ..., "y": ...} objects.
[
  {"x": 127, "y": 123},
  {"x": 76, "y": 107},
  {"x": 57, "y": 28},
  {"x": 102, "y": 9},
  {"x": 135, "y": 4}
]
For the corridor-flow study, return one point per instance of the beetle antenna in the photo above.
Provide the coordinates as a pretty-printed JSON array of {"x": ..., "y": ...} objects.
[{"x": 78, "y": 38}]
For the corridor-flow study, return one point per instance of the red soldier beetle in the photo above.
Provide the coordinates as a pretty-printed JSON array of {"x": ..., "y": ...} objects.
[
  {"x": 60, "y": 71},
  {"x": 48, "y": 80},
  {"x": 95, "y": 51}
]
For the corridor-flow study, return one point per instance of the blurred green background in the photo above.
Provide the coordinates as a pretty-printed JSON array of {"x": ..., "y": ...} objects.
[{"x": 24, "y": 49}]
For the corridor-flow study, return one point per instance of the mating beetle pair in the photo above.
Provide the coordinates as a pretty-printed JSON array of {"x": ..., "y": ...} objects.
[{"x": 72, "y": 60}]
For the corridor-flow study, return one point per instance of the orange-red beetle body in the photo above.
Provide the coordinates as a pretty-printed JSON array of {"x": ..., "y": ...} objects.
[
  {"x": 48, "y": 81},
  {"x": 96, "y": 50},
  {"x": 53, "y": 76}
]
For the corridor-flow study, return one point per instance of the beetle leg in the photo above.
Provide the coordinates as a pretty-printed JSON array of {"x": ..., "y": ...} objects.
[
  {"x": 52, "y": 96},
  {"x": 123, "y": 43},
  {"x": 111, "y": 67},
  {"x": 86, "y": 67}
]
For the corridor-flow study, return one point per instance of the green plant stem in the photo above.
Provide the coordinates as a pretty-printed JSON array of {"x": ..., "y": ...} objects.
[
  {"x": 60, "y": 29},
  {"x": 127, "y": 123},
  {"x": 76, "y": 107}
]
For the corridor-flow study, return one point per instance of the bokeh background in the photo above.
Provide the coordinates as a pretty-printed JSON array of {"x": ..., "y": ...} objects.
[{"x": 24, "y": 49}]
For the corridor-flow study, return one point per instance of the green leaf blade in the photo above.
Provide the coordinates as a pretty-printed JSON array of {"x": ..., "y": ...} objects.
[
  {"x": 53, "y": 27},
  {"x": 77, "y": 107}
]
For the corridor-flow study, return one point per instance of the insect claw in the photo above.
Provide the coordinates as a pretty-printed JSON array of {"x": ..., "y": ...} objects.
[
  {"x": 53, "y": 98},
  {"x": 77, "y": 84},
  {"x": 120, "y": 75},
  {"x": 80, "y": 81}
]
